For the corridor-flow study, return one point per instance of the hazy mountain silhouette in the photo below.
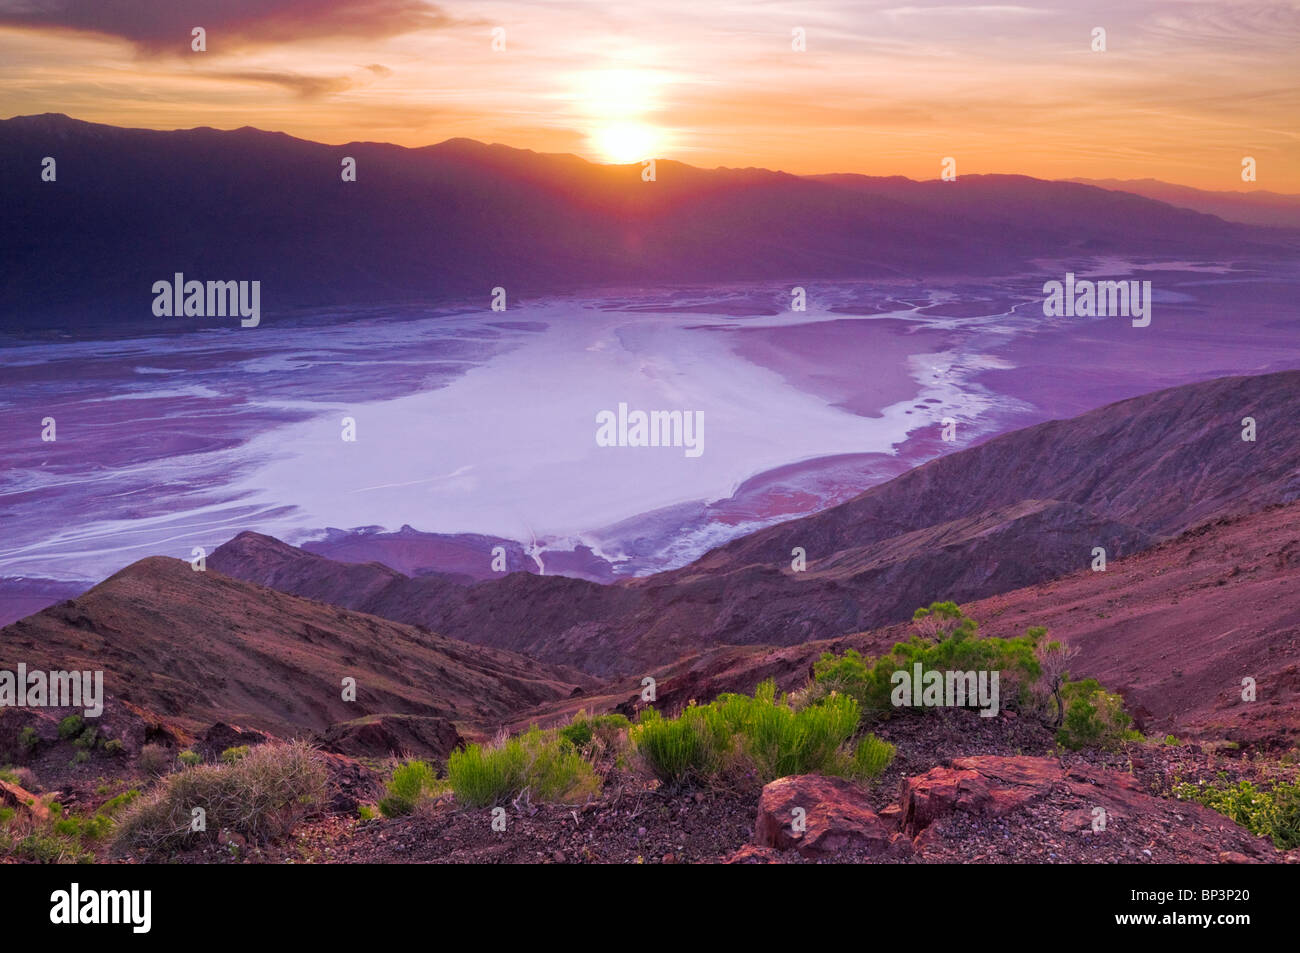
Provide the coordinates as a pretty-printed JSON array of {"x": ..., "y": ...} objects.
[{"x": 133, "y": 206}]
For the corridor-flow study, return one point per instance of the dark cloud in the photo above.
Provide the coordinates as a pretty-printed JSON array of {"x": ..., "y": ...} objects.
[
  {"x": 305, "y": 87},
  {"x": 159, "y": 27}
]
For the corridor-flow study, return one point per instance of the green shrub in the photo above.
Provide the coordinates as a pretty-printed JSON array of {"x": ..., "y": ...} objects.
[
  {"x": 1272, "y": 813},
  {"x": 1094, "y": 717},
  {"x": 869, "y": 681},
  {"x": 46, "y": 847},
  {"x": 762, "y": 733},
  {"x": 190, "y": 758},
  {"x": 681, "y": 750},
  {"x": 871, "y": 757},
  {"x": 113, "y": 746},
  {"x": 409, "y": 783},
  {"x": 64, "y": 838},
  {"x": 780, "y": 741},
  {"x": 86, "y": 740},
  {"x": 261, "y": 797},
  {"x": 113, "y": 805},
  {"x": 28, "y": 739},
  {"x": 583, "y": 730},
  {"x": 81, "y": 757},
  {"x": 540, "y": 763},
  {"x": 231, "y": 755},
  {"x": 70, "y": 726}
]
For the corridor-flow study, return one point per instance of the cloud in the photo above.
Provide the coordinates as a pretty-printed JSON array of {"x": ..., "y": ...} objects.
[
  {"x": 305, "y": 87},
  {"x": 160, "y": 27}
]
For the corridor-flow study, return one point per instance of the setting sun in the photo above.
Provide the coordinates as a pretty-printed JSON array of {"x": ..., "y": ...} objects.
[{"x": 626, "y": 142}]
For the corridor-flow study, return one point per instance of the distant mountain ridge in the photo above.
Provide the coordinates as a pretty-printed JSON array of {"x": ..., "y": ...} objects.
[
  {"x": 133, "y": 206},
  {"x": 1253, "y": 207}
]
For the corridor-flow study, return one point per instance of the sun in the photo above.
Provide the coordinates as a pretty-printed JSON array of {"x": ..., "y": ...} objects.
[
  {"x": 626, "y": 142},
  {"x": 615, "y": 106}
]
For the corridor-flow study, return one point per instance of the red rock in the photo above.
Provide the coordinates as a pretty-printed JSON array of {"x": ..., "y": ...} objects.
[
  {"x": 752, "y": 854},
  {"x": 837, "y": 816},
  {"x": 23, "y": 801},
  {"x": 987, "y": 785}
]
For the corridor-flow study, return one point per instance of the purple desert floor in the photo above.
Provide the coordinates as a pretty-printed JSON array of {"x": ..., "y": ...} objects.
[{"x": 175, "y": 442}]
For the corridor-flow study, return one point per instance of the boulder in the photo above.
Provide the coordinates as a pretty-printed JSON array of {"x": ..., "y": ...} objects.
[
  {"x": 836, "y": 815},
  {"x": 988, "y": 785}
]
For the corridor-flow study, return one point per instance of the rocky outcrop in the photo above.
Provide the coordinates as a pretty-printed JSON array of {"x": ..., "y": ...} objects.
[
  {"x": 816, "y": 816},
  {"x": 382, "y": 736},
  {"x": 984, "y": 785}
]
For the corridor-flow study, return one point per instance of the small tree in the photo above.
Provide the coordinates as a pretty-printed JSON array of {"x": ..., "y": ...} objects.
[
  {"x": 1054, "y": 664},
  {"x": 943, "y": 620}
]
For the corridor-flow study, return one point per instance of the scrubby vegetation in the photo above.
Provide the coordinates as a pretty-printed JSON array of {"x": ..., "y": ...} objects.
[
  {"x": 1033, "y": 672},
  {"x": 411, "y": 782},
  {"x": 64, "y": 837},
  {"x": 869, "y": 681},
  {"x": 70, "y": 727},
  {"x": 536, "y": 765},
  {"x": 763, "y": 737},
  {"x": 231, "y": 755},
  {"x": 1272, "y": 811},
  {"x": 1094, "y": 717},
  {"x": 261, "y": 796},
  {"x": 155, "y": 759},
  {"x": 590, "y": 735}
]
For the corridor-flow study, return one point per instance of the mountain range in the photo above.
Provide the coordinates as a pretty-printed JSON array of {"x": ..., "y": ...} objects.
[{"x": 449, "y": 222}]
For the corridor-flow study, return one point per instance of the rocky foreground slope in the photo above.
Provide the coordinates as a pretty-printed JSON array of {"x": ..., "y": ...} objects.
[{"x": 196, "y": 648}]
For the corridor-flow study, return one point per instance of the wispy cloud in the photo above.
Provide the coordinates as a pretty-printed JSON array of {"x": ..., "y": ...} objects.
[{"x": 158, "y": 27}]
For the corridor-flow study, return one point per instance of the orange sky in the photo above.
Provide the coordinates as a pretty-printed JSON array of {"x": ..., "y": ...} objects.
[{"x": 1182, "y": 93}]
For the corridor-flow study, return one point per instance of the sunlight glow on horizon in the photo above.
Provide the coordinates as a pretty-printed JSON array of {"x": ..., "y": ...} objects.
[{"x": 1184, "y": 90}]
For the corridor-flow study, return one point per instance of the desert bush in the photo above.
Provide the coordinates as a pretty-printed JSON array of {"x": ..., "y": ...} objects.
[
  {"x": 231, "y": 755},
  {"x": 1094, "y": 717},
  {"x": 780, "y": 741},
  {"x": 63, "y": 839},
  {"x": 110, "y": 807},
  {"x": 871, "y": 757},
  {"x": 869, "y": 681},
  {"x": 114, "y": 746},
  {"x": 584, "y": 732},
  {"x": 1053, "y": 663},
  {"x": 761, "y": 736},
  {"x": 409, "y": 784},
  {"x": 155, "y": 759},
  {"x": 28, "y": 739},
  {"x": 539, "y": 763},
  {"x": 262, "y": 797},
  {"x": 70, "y": 726},
  {"x": 190, "y": 758},
  {"x": 1273, "y": 812},
  {"x": 681, "y": 750}
]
